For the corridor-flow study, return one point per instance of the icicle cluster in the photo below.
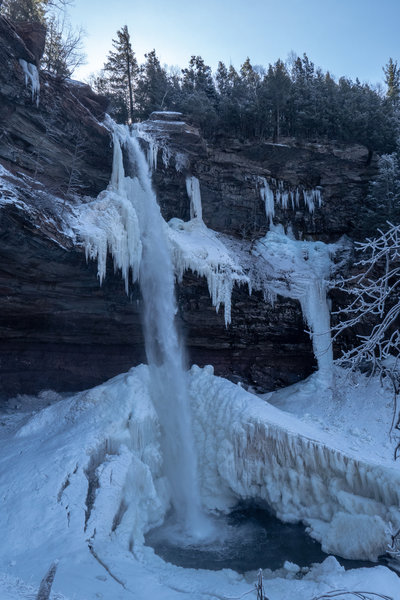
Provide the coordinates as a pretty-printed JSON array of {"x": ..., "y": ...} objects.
[
  {"x": 196, "y": 248},
  {"x": 31, "y": 76},
  {"x": 286, "y": 198}
]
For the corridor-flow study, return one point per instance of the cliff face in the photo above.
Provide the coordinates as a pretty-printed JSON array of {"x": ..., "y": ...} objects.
[
  {"x": 61, "y": 136},
  {"x": 58, "y": 328}
]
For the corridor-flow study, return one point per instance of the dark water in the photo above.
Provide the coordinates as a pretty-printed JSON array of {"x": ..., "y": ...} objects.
[{"x": 248, "y": 538}]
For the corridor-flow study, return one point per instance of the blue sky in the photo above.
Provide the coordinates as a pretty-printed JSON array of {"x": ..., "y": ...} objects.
[{"x": 347, "y": 37}]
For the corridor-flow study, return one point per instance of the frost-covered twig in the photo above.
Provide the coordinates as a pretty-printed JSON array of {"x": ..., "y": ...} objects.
[
  {"x": 353, "y": 594},
  {"x": 375, "y": 294}
]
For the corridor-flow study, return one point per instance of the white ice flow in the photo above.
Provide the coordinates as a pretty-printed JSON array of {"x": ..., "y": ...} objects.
[
  {"x": 32, "y": 77},
  {"x": 84, "y": 478},
  {"x": 201, "y": 250}
]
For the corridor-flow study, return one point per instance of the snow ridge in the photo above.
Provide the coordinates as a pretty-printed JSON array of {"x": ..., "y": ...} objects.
[{"x": 252, "y": 450}]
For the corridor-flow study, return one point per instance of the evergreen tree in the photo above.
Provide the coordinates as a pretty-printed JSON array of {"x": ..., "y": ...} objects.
[
  {"x": 121, "y": 70},
  {"x": 152, "y": 88},
  {"x": 392, "y": 79},
  {"x": 198, "y": 98},
  {"x": 278, "y": 86},
  {"x": 384, "y": 192},
  {"x": 32, "y": 11},
  {"x": 198, "y": 78}
]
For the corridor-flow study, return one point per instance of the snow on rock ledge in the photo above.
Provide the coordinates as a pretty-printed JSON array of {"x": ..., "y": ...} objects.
[{"x": 198, "y": 248}]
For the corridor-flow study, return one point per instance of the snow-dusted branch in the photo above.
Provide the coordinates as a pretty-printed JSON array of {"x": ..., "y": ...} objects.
[{"x": 375, "y": 297}]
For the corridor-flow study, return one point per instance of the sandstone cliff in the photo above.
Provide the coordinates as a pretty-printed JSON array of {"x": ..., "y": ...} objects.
[{"x": 58, "y": 328}]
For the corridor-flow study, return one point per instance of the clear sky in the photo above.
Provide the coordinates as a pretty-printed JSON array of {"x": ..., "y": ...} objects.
[{"x": 347, "y": 37}]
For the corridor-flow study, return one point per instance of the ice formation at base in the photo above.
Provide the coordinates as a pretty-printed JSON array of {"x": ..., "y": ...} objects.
[
  {"x": 91, "y": 482},
  {"x": 32, "y": 77}
]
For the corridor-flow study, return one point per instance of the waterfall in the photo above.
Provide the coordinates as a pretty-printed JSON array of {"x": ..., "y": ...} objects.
[
  {"x": 126, "y": 221},
  {"x": 163, "y": 350}
]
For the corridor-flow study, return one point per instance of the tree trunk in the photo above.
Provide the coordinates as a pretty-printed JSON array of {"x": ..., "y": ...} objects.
[{"x": 130, "y": 90}]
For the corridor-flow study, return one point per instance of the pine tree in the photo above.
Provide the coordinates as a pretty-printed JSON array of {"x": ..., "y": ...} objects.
[
  {"x": 121, "y": 70},
  {"x": 278, "y": 82},
  {"x": 25, "y": 10},
  {"x": 392, "y": 79},
  {"x": 152, "y": 88}
]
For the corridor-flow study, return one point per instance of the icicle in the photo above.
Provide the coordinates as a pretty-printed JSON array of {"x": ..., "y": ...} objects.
[
  {"x": 152, "y": 154},
  {"x": 31, "y": 76},
  {"x": 193, "y": 191},
  {"x": 309, "y": 200},
  {"x": 267, "y": 195}
]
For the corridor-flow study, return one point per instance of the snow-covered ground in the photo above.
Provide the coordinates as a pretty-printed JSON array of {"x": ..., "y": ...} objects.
[{"x": 82, "y": 480}]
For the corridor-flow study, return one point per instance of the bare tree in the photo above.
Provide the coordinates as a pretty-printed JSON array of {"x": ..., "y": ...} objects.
[
  {"x": 375, "y": 304},
  {"x": 63, "y": 52},
  {"x": 375, "y": 297}
]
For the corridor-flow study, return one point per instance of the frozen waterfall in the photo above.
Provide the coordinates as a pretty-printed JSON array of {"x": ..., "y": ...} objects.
[
  {"x": 163, "y": 349},
  {"x": 126, "y": 220}
]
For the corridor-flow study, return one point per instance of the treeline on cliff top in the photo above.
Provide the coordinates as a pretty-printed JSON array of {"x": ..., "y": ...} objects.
[{"x": 284, "y": 99}]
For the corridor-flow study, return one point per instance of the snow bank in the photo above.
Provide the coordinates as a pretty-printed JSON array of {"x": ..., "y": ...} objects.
[{"x": 32, "y": 77}]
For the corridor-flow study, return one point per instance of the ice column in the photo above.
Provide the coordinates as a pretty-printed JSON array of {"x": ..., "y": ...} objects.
[
  {"x": 193, "y": 191},
  {"x": 267, "y": 195},
  {"x": 300, "y": 270}
]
